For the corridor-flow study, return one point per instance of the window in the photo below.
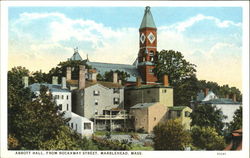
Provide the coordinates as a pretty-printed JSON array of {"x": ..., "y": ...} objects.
[
  {"x": 62, "y": 96},
  {"x": 178, "y": 113},
  {"x": 67, "y": 97},
  {"x": 116, "y": 100},
  {"x": 151, "y": 58},
  {"x": 151, "y": 71},
  {"x": 67, "y": 106},
  {"x": 153, "y": 100},
  {"x": 116, "y": 90},
  {"x": 164, "y": 91},
  {"x": 72, "y": 125},
  {"x": 151, "y": 53},
  {"x": 60, "y": 106},
  {"x": 76, "y": 127},
  {"x": 96, "y": 112},
  {"x": 148, "y": 91},
  {"x": 87, "y": 125},
  {"x": 96, "y": 93},
  {"x": 187, "y": 114},
  {"x": 154, "y": 118},
  {"x": 96, "y": 102}
]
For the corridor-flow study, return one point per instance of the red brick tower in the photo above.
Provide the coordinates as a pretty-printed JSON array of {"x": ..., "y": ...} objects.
[{"x": 148, "y": 48}]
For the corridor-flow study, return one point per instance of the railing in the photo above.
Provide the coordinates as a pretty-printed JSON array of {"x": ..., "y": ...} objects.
[{"x": 120, "y": 116}]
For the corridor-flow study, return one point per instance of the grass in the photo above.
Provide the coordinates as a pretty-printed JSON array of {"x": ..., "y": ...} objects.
[{"x": 140, "y": 147}]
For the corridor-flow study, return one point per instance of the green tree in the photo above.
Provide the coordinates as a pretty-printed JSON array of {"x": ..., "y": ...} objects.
[
  {"x": 123, "y": 76},
  {"x": 208, "y": 115},
  {"x": 173, "y": 64},
  {"x": 37, "y": 124},
  {"x": 171, "y": 135},
  {"x": 181, "y": 75},
  {"x": 206, "y": 138},
  {"x": 237, "y": 120},
  {"x": 40, "y": 77}
]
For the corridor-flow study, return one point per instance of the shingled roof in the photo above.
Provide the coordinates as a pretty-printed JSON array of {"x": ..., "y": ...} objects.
[
  {"x": 106, "y": 67},
  {"x": 90, "y": 83}
]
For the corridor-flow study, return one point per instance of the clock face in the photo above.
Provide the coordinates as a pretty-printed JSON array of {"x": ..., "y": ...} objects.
[
  {"x": 151, "y": 37},
  {"x": 142, "y": 38}
]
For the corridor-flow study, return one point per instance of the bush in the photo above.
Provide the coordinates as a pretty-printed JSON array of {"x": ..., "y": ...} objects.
[
  {"x": 171, "y": 135},
  {"x": 206, "y": 138},
  {"x": 105, "y": 144}
]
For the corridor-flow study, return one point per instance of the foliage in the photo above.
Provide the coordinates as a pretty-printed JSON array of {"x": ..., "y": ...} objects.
[
  {"x": 185, "y": 90},
  {"x": 181, "y": 75},
  {"x": 208, "y": 115},
  {"x": 206, "y": 138},
  {"x": 174, "y": 65},
  {"x": 108, "y": 76},
  {"x": 237, "y": 120},
  {"x": 108, "y": 135},
  {"x": 105, "y": 144},
  {"x": 171, "y": 135},
  {"x": 37, "y": 124},
  {"x": 12, "y": 142}
]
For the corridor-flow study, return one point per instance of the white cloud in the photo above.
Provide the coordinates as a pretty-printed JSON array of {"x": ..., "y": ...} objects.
[
  {"x": 105, "y": 44},
  {"x": 182, "y": 26}
]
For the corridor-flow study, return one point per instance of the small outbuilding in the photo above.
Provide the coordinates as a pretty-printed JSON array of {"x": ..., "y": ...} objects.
[{"x": 146, "y": 116}]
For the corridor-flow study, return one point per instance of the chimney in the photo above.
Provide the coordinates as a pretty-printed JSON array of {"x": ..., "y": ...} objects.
[
  {"x": 206, "y": 92},
  {"x": 25, "y": 81},
  {"x": 68, "y": 73},
  {"x": 234, "y": 97},
  {"x": 120, "y": 82},
  {"x": 64, "y": 83},
  {"x": 115, "y": 77},
  {"x": 138, "y": 81},
  {"x": 94, "y": 76},
  {"x": 81, "y": 81},
  {"x": 165, "y": 80},
  {"x": 54, "y": 80}
]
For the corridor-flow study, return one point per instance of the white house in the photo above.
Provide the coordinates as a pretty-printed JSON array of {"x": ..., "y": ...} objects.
[
  {"x": 227, "y": 106},
  {"x": 62, "y": 97},
  {"x": 80, "y": 124}
]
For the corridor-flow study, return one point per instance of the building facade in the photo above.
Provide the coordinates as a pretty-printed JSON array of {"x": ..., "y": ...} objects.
[
  {"x": 149, "y": 94},
  {"x": 182, "y": 113},
  {"x": 146, "y": 116},
  {"x": 62, "y": 97}
]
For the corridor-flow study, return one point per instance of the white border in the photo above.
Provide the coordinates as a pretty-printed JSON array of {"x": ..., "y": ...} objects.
[{"x": 207, "y": 154}]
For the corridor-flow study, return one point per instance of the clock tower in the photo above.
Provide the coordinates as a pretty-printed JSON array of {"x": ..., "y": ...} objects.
[{"x": 148, "y": 47}]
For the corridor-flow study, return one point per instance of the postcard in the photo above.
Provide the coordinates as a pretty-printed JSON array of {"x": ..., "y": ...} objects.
[{"x": 124, "y": 79}]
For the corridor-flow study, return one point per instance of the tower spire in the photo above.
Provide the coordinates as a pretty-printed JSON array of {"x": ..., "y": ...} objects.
[{"x": 147, "y": 20}]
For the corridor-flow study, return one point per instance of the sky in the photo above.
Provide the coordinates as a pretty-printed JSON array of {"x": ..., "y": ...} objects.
[{"x": 209, "y": 37}]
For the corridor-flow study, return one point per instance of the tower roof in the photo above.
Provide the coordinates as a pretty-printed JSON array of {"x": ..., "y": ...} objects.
[
  {"x": 76, "y": 55},
  {"x": 147, "y": 20}
]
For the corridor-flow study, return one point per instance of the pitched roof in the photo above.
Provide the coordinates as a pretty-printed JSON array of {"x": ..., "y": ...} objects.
[
  {"x": 142, "y": 105},
  {"x": 146, "y": 87},
  {"x": 53, "y": 88},
  {"x": 76, "y": 56},
  {"x": 106, "y": 67},
  {"x": 220, "y": 101},
  {"x": 90, "y": 83},
  {"x": 147, "y": 20},
  {"x": 177, "y": 108}
]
